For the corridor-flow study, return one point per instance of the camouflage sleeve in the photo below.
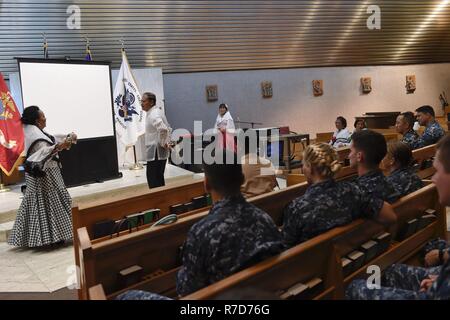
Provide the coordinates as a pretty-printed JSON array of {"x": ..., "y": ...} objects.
[
  {"x": 367, "y": 205},
  {"x": 291, "y": 230},
  {"x": 140, "y": 295},
  {"x": 191, "y": 275},
  {"x": 430, "y": 136}
]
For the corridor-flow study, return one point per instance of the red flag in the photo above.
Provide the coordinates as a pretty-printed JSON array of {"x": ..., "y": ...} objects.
[{"x": 11, "y": 131}]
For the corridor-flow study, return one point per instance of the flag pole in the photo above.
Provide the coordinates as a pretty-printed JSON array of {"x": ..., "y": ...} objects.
[
  {"x": 2, "y": 186},
  {"x": 136, "y": 165}
]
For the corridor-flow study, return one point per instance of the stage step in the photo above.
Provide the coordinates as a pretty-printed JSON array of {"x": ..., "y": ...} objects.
[{"x": 5, "y": 230}]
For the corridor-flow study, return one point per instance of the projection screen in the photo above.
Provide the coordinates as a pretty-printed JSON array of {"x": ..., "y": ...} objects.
[{"x": 74, "y": 96}]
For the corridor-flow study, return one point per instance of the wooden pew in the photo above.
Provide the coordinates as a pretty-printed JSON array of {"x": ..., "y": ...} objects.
[
  {"x": 324, "y": 136},
  {"x": 321, "y": 256},
  {"x": 421, "y": 156},
  {"x": 155, "y": 250},
  {"x": 162, "y": 198}
]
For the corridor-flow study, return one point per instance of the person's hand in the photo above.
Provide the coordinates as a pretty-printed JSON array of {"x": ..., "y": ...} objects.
[
  {"x": 432, "y": 258},
  {"x": 63, "y": 145},
  {"x": 74, "y": 137},
  {"x": 427, "y": 283},
  {"x": 222, "y": 130}
]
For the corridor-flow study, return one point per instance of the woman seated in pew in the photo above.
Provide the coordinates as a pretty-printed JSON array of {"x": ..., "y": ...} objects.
[
  {"x": 398, "y": 164},
  {"x": 341, "y": 137},
  {"x": 326, "y": 203},
  {"x": 404, "y": 282},
  {"x": 234, "y": 235}
]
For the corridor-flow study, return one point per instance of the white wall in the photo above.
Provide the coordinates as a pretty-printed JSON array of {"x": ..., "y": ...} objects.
[{"x": 293, "y": 103}]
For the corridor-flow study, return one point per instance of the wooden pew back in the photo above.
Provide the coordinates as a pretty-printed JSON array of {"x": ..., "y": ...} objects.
[
  {"x": 323, "y": 253},
  {"x": 157, "y": 249}
]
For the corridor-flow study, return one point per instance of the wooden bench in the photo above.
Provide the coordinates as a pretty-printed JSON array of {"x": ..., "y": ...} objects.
[
  {"x": 423, "y": 158},
  {"x": 87, "y": 215},
  {"x": 314, "y": 269},
  {"x": 157, "y": 249},
  {"x": 321, "y": 257}
]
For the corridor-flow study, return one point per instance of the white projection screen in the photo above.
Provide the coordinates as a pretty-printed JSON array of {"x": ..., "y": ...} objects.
[{"x": 74, "y": 96}]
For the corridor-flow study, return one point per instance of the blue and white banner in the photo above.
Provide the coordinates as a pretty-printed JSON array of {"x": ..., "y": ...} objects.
[{"x": 128, "y": 113}]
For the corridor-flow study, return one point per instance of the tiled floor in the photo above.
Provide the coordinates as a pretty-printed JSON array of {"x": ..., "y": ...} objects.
[{"x": 35, "y": 270}]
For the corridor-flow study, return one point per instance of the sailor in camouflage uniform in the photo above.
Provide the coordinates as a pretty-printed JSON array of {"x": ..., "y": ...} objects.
[
  {"x": 366, "y": 152},
  {"x": 433, "y": 131},
  {"x": 404, "y": 125},
  {"x": 398, "y": 163},
  {"x": 234, "y": 235},
  {"x": 409, "y": 282},
  {"x": 326, "y": 203}
]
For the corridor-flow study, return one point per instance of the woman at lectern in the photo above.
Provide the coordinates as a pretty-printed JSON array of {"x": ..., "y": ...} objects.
[
  {"x": 44, "y": 216},
  {"x": 225, "y": 125}
]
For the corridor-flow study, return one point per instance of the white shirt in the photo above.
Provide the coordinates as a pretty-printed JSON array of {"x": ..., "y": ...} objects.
[
  {"x": 225, "y": 121},
  {"x": 341, "y": 138},
  {"x": 157, "y": 134}
]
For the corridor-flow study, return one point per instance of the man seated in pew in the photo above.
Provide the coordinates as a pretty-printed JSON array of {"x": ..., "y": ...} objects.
[
  {"x": 259, "y": 174},
  {"x": 404, "y": 282},
  {"x": 398, "y": 164},
  {"x": 367, "y": 150},
  {"x": 404, "y": 125},
  {"x": 234, "y": 235},
  {"x": 326, "y": 203},
  {"x": 433, "y": 131}
]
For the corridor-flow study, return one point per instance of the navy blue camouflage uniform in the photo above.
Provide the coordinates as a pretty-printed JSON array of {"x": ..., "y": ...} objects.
[
  {"x": 402, "y": 282},
  {"x": 433, "y": 132},
  {"x": 410, "y": 138},
  {"x": 374, "y": 183},
  {"x": 234, "y": 235},
  {"x": 140, "y": 295},
  {"x": 326, "y": 205},
  {"x": 405, "y": 181}
]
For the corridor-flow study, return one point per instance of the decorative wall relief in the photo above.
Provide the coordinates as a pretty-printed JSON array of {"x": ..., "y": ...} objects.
[
  {"x": 211, "y": 93},
  {"x": 410, "y": 84},
  {"x": 317, "y": 87},
  {"x": 266, "y": 87},
  {"x": 366, "y": 84}
]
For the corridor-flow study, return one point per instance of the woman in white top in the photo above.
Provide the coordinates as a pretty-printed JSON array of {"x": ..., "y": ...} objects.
[
  {"x": 341, "y": 137},
  {"x": 225, "y": 124},
  {"x": 44, "y": 216}
]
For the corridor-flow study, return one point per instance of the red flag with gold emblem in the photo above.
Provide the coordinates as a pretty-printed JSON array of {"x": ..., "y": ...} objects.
[{"x": 11, "y": 131}]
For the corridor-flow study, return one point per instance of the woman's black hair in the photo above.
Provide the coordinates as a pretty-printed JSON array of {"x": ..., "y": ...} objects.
[
  {"x": 360, "y": 120},
  {"x": 223, "y": 105},
  {"x": 30, "y": 115},
  {"x": 343, "y": 121}
]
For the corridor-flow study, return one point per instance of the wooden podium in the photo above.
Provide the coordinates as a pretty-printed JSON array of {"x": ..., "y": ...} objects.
[
  {"x": 17, "y": 176},
  {"x": 379, "y": 120}
]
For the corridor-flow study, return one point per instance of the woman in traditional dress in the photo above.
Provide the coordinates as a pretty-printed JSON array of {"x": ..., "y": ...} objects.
[
  {"x": 44, "y": 216},
  {"x": 225, "y": 124}
]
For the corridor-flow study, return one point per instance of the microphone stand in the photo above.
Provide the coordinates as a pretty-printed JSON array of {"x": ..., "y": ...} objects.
[{"x": 136, "y": 165}]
